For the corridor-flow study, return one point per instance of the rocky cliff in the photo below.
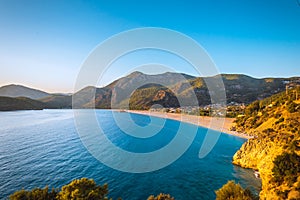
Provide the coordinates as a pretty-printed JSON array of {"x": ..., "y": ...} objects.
[{"x": 274, "y": 151}]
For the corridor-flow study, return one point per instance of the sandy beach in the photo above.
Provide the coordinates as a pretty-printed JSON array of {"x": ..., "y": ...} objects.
[{"x": 218, "y": 124}]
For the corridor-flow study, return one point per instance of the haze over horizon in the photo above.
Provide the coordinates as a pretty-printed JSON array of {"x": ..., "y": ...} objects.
[{"x": 43, "y": 44}]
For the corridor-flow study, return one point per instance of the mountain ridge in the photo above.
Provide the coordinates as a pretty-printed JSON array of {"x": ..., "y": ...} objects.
[
  {"x": 15, "y": 90},
  {"x": 20, "y": 103},
  {"x": 141, "y": 91}
]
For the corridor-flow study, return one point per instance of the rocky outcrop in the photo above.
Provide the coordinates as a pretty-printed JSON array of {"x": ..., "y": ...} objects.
[
  {"x": 275, "y": 149},
  {"x": 259, "y": 154}
]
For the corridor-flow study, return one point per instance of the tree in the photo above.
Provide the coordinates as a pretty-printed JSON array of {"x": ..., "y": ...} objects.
[
  {"x": 35, "y": 194},
  {"x": 83, "y": 189},
  {"x": 161, "y": 197},
  {"x": 253, "y": 108},
  {"x": 292, "y": 106},
  {"x": 286, "y": 167},
  {"x": 233, "y": 191}
]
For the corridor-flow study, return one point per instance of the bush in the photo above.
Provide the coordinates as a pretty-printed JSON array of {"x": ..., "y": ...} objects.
[
  {"x": 281, "y": 119},
  {"x": 292, "y": 107},
  {"x": 161, "y": 197},
  {"x": 35, "y": 194},
  {"x": 252, "y": 108},
  {"x": 82, "y": 189},
  {"x": 286, "y": 168},
  {"x": 233, "y": 191}
]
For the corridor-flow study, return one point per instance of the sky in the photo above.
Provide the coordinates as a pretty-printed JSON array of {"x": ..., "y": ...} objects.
[{"x": 43, "y": 44}]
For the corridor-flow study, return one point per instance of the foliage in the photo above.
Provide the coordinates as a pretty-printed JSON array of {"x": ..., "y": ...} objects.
[
  {"x": 233, "y": 191},
  {"x": 35, "y": 194},
  {"x": 283, "y": 107},
  {"x": 83, "y": 189},
  {"x": 286, "y": 168},
  {"x": 239, "y": 89},
  {"x": 253, "y": 108},
  {"x": 274, "y": 151},
  {"x": 161, "y": 197},
  {"x": 20, "y": 103},
  {"x": 292, "y": 106}
]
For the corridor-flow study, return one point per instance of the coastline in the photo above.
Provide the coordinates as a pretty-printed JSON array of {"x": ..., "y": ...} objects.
[{"x": 203, "y": 121}]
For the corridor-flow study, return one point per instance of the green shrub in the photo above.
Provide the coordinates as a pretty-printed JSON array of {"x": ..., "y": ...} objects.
[
  {"x": 233, "y": 191},
  {"x": 286, "y": 168},
  {"x": 83, "y": 189},
  {"x": 161, "y": 197},
  {"x": 292, "y": 106},
  {"x": 35, "y": 194}
]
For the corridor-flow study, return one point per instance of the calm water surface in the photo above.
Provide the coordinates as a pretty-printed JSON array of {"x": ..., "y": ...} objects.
[{"x": 39, "y": 148}]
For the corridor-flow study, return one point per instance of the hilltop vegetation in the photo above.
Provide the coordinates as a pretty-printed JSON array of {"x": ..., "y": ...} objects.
[
  {"x": 57, "y": 101},
  {"x": 81, "y": 189},
  {"x": 20, "y": 103},
  {"x": 141, "y": 91},
  {"x": 85, "y": 189},
  {"x": 234, "y": 191},
  {"x": 166, "y": 89},
  {"x": 275, "y": 150}
]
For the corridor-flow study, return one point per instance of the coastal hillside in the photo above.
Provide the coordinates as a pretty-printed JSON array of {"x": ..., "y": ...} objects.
[
  {"x": 22, "y": 91},
  {"x": 141, "y": 91},
  {"x": 20, "y": 103},
  {"x": 57, "y": 101},
  {"x": 275, "y": 149}
]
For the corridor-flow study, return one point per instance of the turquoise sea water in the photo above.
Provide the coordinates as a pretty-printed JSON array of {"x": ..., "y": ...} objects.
[{"x": 39, "y": 148}]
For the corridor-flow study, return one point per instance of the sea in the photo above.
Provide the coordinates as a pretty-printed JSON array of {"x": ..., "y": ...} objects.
[{"x": 44, "y": 148}]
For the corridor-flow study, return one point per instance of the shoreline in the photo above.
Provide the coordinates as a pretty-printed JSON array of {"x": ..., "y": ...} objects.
[{"x": 203, "y": 121}]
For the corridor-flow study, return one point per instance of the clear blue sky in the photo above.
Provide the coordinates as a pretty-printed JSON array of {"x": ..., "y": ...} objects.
[{"x": 43, "y": 43}]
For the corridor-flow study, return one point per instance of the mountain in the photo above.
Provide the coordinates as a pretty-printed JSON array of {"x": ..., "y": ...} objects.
[
  {"x": 57, "y": 101},
  {"x": 242, "y": 88},
  {"x": 142, "y": 91},
  {"x": 21, "y": 91},
  {"x": 20, "y": 103},
  {"x": 275, "y": 149}
]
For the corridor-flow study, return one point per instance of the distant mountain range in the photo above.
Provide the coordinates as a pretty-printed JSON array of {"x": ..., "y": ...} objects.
[
  {"x": 142, "y": 91},
  {"x": 20, "y": 103},
  {"x": 22, "y": 91}
]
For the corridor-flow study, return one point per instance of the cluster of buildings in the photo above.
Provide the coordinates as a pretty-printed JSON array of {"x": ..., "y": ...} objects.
[{"x": 232, "y": 109}]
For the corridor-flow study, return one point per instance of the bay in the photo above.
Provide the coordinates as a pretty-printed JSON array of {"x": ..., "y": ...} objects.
[{"x": 39, "y": 148}]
